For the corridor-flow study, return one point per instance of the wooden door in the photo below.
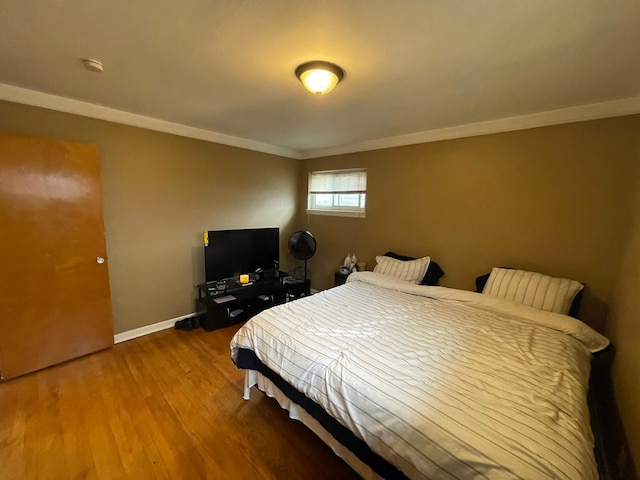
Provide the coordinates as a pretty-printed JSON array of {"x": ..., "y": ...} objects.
[{"x": 55, "y": 303}]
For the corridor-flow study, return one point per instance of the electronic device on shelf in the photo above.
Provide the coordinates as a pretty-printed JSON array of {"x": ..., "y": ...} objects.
[
  {"x": 228, "y": 253},
  {"x": 239, "y": 302},
  {"x": 292, "y": 280},
  {"x": 242, "y": 274}
]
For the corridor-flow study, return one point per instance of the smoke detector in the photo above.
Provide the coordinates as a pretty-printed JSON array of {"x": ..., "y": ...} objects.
[{"x": 92, "y": 65}]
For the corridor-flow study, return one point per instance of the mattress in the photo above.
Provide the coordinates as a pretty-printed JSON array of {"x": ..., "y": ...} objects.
[{"x": 440, "y": 383}]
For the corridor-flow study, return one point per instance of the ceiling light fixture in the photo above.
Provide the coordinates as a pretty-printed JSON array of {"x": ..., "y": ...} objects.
[
  {"x": 319, "y": 77},
  {"x": 92, "y": 65}
]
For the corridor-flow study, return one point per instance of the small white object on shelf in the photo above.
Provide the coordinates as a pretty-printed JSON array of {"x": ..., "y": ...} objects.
[{"x": 224, "y": 299}]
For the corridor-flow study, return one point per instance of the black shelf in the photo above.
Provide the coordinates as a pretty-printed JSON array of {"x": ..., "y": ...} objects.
[{"x": 228, "y": 302}]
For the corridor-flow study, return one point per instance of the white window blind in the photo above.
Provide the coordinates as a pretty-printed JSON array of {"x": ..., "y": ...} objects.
[
  {"x": 338, "y": 192},
  {"x": 338, "y": 181}
]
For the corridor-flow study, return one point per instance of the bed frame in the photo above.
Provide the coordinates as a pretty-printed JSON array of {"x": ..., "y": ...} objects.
[{"x": 611, "y": 448}]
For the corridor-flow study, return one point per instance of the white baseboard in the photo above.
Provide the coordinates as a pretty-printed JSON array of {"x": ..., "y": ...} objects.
[
  {"x": 156, "y": 327},
  {"x": 147, "y": 329}
]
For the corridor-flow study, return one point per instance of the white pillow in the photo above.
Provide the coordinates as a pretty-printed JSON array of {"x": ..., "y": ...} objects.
[
  {"x": 534, "y": 289},
  {"x": 409, "y": 271}
]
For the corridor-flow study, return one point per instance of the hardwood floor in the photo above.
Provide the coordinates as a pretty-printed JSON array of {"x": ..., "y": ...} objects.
[{"x": 168, "y": 405}]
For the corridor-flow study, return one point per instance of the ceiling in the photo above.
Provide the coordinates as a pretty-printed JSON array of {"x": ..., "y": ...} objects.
[{"x": 415, "y": 70}]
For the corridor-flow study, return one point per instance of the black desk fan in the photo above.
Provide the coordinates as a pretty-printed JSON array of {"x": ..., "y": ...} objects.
[{"x": 302, "y": 246}]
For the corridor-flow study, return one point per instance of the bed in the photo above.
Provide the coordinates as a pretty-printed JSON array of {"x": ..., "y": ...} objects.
[{"x": 414, "y": 381}]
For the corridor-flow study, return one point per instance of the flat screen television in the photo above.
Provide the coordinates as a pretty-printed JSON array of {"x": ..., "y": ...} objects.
[{"x": 228, "y": 253}]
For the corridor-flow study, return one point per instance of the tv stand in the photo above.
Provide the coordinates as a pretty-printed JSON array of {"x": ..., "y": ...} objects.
[{"x": 228, "y": 302}]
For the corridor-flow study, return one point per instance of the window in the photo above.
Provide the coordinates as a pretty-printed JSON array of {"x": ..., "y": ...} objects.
[{"x": 338, "y": 192}]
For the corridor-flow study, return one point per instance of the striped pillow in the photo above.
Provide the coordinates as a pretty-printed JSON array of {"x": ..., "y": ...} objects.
[
  {"x": 409, "y": 271},
  {"x": 533, "y": 289}
]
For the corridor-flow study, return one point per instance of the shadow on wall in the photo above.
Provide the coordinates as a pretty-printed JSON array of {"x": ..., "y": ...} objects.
[
  {"x": 594, "y": 311},
  {"x": 197, "y": 263}
]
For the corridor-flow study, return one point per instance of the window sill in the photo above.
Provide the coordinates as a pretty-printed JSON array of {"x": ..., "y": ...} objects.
[{"x": 337, "y": 213}]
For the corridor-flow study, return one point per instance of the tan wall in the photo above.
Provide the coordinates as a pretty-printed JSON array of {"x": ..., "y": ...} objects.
[
  {"x": 624, "y": 327},
  {"x": 555, "y": 200},
  {"x": 160, "y": 192},
  {"x": 559, "y": 200}
]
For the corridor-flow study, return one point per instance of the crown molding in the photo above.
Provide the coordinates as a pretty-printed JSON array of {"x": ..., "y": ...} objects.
[
  {"x": 62, "y": 104},
  {"x": 594, "y": 111}
]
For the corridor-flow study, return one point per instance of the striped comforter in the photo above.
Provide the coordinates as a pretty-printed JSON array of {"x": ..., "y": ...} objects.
[{"x": 442, "y": 383}]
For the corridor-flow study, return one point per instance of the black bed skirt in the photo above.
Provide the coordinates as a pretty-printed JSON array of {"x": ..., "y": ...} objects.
[{"x": 247, "y": 359}]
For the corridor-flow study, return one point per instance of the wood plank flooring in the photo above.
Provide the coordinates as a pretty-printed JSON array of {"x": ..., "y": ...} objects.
[{"x": 168, "y": 405}]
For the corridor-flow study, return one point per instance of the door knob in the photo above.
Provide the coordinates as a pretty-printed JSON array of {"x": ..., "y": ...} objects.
[{"x": 100, "y": 260}]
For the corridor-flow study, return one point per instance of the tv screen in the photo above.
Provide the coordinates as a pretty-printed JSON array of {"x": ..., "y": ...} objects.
[{"x": 231, "y": 252}]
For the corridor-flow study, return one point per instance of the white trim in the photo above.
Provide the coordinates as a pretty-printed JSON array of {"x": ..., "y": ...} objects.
[
  {"x": 147, "y": 329},
  {"x": 86, "y": 109},
  {"x": 337, "y": 213},
  {"x": 594, "y": 111}
]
